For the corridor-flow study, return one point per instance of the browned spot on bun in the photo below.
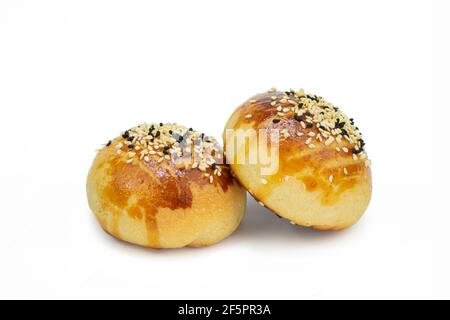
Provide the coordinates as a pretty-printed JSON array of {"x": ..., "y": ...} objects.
[
  {"x": 314, "y": 168},
  {"x": 226, "y": 179}
]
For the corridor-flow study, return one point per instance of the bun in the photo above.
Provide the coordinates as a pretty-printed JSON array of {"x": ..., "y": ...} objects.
[
  {"x": 324, "y": 177},
  {"x": 160, "y": 186}
]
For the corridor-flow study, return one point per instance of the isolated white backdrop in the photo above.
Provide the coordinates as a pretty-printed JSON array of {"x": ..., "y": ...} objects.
[{"x": 73, "y": 74}]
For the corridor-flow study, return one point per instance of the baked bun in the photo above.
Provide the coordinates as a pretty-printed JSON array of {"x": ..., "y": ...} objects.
[
  {"x": 162, "y": 186},
  {"x": 323, "y": 179}
]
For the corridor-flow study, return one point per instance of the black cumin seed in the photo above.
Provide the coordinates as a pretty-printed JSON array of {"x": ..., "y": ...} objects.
[
  {"x": 180, "y": 139},
  {"x": 362, "y": 143},
  {"x": 276, "y": 120},
  {"x": 130, "y": 138},
  {"x": 158, "y": 133},
  {"x": 161, "y": 124},
  {"x": 298, "y": 118},
  {"x": 109, "y": 143},
  {"x": 309, "y": 125},
  {"x": 125, "y": 135},
  {"x": 130, "y": 146}
]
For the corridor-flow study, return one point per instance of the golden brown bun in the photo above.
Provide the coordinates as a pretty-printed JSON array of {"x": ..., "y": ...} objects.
[
  {"x": 159, "y": 205},
  {"x": 317, "y": 185}
]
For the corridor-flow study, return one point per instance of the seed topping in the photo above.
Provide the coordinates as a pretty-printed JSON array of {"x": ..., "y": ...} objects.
[
  {"x": 186, "y": 148},
  {"x": 328, "y": 124}
]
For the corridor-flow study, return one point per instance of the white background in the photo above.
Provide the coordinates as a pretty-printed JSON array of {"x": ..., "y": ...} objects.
[{"x": 73, "y": 74}]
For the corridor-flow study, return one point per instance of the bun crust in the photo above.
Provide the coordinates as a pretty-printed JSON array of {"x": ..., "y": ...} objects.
[
  {"x": 160, "y": 205},
  {"x": 320, "y": 184}
]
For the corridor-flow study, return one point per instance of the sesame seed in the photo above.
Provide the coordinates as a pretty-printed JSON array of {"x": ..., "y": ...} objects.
[
  {"x": 329, "y": 141},
  {"x": 345, "y": 171},
  {"x": 332, "y": 124},
  {"x": 263, "y": 181},
  {"x": 248, "y": 116},
  {"x": 330, "y": 178}
]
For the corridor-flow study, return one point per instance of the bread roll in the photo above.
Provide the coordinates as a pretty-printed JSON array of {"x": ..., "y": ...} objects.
[
  {"x": 161, "y": 186},
  {"x": 324, "y": 176}
]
